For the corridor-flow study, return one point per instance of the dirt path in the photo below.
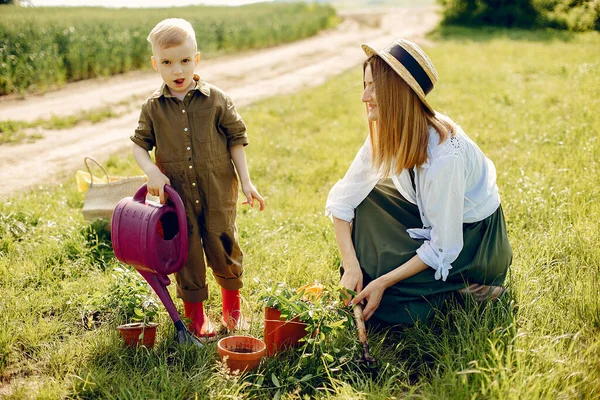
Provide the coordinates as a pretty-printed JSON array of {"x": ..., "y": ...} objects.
[{"x": 246, "y": 78}]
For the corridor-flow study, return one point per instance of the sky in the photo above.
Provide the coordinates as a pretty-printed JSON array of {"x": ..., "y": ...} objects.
[{"x": 137, "y": 3}]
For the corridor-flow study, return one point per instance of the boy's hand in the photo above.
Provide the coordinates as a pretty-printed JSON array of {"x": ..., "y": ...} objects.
[
  {"x": 156, "y": 185},
  {"x": 251, "y": 193}
]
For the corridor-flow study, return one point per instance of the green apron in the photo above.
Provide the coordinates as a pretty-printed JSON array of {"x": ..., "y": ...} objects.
[{"x": 382, "y": 244}]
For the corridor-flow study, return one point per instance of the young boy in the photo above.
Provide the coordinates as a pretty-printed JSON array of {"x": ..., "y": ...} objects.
[{"x": 197, "y": 132}]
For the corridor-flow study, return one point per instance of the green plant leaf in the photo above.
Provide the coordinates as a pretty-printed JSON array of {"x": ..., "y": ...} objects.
[
  {"x": 337, "y": 324},
  {"x": 260, "y": 380},
  {"x": 275, "y": 380}
]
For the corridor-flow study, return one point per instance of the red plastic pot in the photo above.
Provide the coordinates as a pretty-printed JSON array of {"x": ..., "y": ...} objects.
[
  {"x": 241, "y": 352},
  {"x": 137, "y": 333},
  {"x": 280, "y": 334}
]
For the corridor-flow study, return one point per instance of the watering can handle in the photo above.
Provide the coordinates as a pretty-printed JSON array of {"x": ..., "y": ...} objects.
[
  {"x": 182, "y": 220},
  {"x": 140, "y": 197}
]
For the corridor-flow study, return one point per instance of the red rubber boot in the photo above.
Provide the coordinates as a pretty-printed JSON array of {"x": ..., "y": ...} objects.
[
  {"x": 200, "y": 325},
  {"x": 231, "y": 308}
]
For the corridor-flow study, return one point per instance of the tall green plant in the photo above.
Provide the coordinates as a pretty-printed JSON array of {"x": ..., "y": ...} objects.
[{"x": 45, "y": 47}]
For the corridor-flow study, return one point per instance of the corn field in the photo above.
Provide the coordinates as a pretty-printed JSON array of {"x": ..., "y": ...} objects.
[{"x": 45, "y": 47}]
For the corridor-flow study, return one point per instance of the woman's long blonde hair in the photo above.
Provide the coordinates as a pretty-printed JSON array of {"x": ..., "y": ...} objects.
[{"x": 400, "y": 135}]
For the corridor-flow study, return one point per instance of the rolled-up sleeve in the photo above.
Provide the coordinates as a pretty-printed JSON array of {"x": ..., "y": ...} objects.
[
  {"x": 443, "y": 202},
  {"x": 232, "y": 125},
  {"x": 354, "y": 187},
  {"x": 144, "y": 134}
]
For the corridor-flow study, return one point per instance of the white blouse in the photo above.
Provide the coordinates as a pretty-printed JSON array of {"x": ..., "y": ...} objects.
[{"x": 456, "y": 185}]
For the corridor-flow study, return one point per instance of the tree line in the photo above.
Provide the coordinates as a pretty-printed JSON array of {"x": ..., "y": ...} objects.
[{"x": 574, "y": 15}]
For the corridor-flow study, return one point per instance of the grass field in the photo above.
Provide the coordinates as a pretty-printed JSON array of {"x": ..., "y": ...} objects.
[
  {"x": 529, "y": 100},
  {"x": 45, "y": 47}
]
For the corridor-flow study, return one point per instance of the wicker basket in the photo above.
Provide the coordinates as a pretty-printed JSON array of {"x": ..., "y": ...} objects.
[{"x": 101, "y": 198}]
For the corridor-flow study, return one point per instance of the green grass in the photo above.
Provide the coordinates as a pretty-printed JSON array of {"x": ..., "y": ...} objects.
[
  {"x": 12, "y": 132},
  {"x": 15, "y": 132},
  {"x": 530, "y": 103}
]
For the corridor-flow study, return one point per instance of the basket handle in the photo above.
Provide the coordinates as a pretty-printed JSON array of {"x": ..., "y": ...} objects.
[{"x": 86, "y": 160}]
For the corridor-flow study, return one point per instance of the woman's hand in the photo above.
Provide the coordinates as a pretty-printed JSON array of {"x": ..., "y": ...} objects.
[
  {"x": 156, "y": 185},
  {"x": 373, "y": 294},
  {"x": 251, "y": 193},
  {"x": 352, "y": 278}
]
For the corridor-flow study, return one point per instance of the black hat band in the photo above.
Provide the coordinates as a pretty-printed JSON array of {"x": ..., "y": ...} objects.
[{"x": 413, "y": 67}]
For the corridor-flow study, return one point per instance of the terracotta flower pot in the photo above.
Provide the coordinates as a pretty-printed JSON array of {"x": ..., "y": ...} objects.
[
  {"x": 137, "y": 333},
  {"x": 280, "y": 334},
  {"x": 241, "y": 352}
]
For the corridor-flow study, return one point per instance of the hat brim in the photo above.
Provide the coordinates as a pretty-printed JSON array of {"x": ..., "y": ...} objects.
[{"x": 400, "y": 70}]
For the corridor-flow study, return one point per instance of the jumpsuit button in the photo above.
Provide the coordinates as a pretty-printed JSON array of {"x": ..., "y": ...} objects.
[
  {"x": 188, "y": 147},
  {"x": 190, "y": 167},
  {"x": 183, "y": 111},
  {"x": 185, "y": 129},
  {"x": 193, "y": 183},
  {"x": 441, "y": 250},
  {"x": 197, "y": 201}
]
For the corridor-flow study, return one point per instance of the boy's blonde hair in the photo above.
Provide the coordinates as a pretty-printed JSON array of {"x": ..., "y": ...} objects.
[{"x": 171, "y": 32}]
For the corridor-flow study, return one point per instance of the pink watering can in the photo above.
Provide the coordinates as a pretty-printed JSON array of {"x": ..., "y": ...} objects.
[{"x": 153, "y": 238}]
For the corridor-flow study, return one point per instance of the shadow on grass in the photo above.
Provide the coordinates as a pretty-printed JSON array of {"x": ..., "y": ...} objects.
[
  {"x": 166, "y": 370},
  {"x": 457, "y": 336},
  {"x": 486, "y": 34}
]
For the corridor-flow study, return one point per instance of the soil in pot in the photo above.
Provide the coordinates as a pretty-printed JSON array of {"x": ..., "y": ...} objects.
[{"x": 241, "y": 353}]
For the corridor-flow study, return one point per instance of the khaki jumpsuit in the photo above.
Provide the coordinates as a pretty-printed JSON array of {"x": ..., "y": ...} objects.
[{"x": 192, "y": 139}]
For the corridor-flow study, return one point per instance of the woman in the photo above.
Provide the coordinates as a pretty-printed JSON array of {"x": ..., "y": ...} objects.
[{"x": 417, "y": 217}]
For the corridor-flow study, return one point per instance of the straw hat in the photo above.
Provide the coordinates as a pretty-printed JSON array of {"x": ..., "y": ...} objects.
[{"x": 411, "y": 63}]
